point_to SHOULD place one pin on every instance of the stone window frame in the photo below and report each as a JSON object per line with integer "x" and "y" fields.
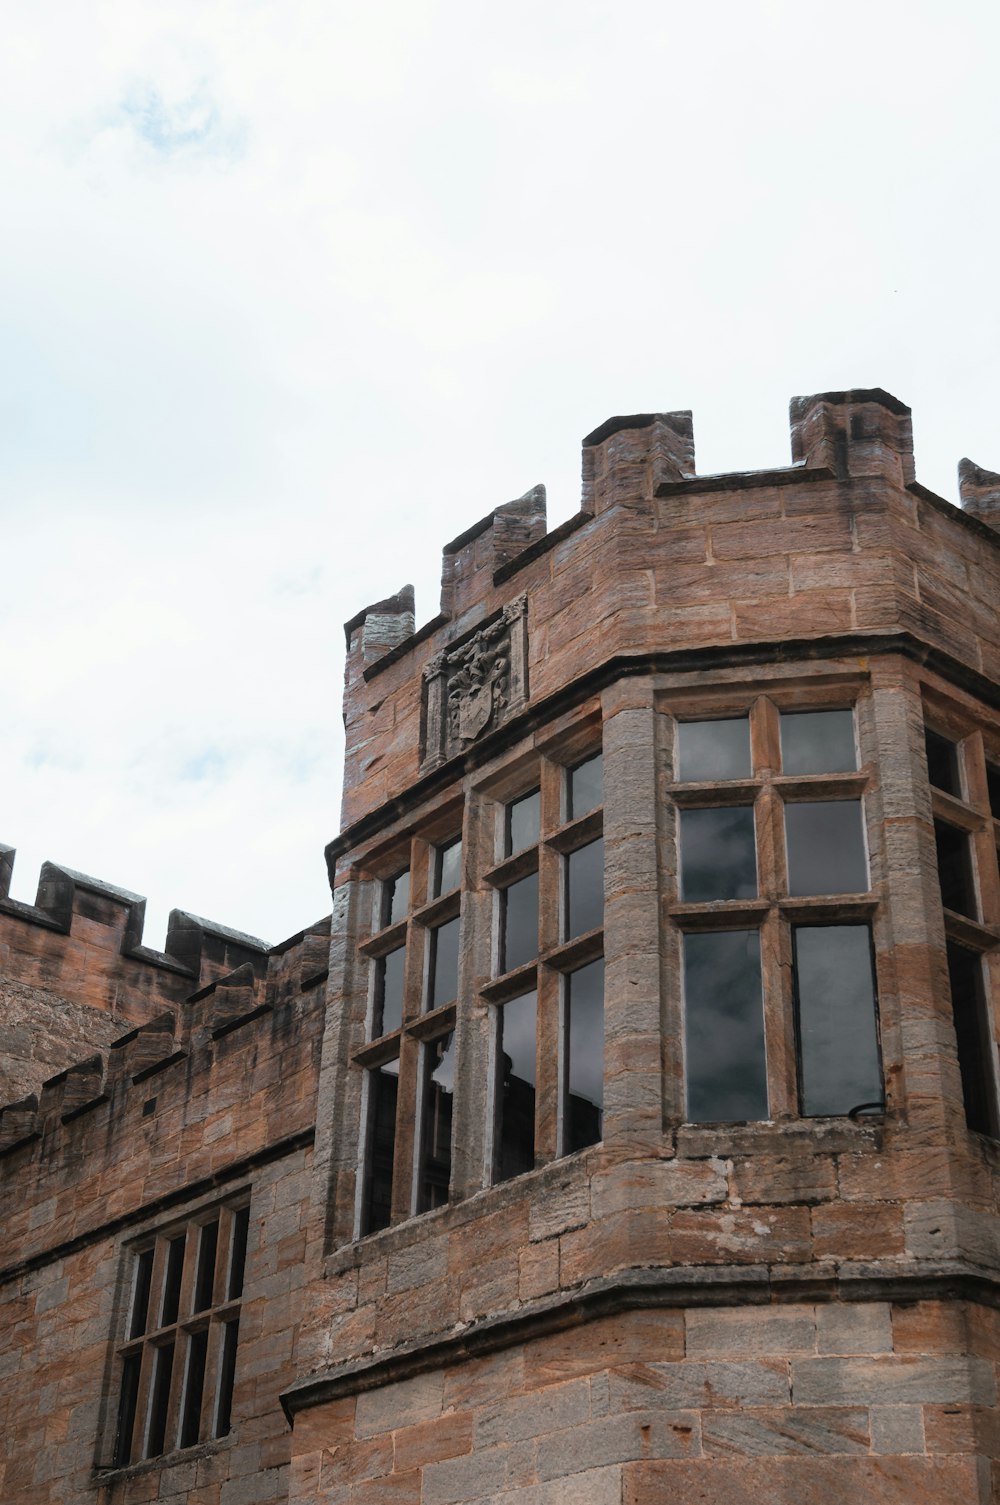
{"x": 219, "y": 1319}
{"x": 775, "y": 912}
{"x": 546, "y": 769}
{"x": 413, "y": 933}
{"x": 977, "y": 742}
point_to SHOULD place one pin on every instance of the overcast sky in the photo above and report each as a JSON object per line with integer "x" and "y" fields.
{"x": 291, "y": 294}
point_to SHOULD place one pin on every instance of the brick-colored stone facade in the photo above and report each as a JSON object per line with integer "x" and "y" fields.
{"x": 472, "y": 1275}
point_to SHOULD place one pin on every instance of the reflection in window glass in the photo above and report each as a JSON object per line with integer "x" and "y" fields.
{"x": 975, "y": 1047}
{"x": 126, "y": 1410}
{"x": 163, "y": 1368}
{"x": 954, "y": 859}
{"x": 396, "y": 898}
{"x": 818, "y": 742}
{"x": 724, "y": 1058}
{"x": 826, "y": 848}
{"x": 437, "y": 1099}
{"x": 172, "y": 1281}
{"x": 194, "y": 1387}
{"x": 224, "y": 1412}
{"x": 838, "y": 1039}
{"x": 447, "y": 867}
{"x": 388, "y": 993}
{"x": 993, "y": 788}
{"x": 208, "y": 1245}
{"x": 585, "y": 787}
{"x": 238, "y": 1252}
{"x": 140, "y": 1300}
{"x": 443, "y": 981}
{"x": 585, "y": 889}
{"x": 718, "y": 854}
{"x": 943, "y": 764}
{"x": 516, "y": 1087}
{"x": 713, "y": 749}
{"x": 519, "y": 923}
{"x": 522, "y": 823}
{"x": 584, "y": 1105}
{"x": 383, "y": 1090}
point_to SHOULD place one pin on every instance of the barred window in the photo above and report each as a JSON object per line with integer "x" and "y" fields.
{"x": 178, "y": 1358}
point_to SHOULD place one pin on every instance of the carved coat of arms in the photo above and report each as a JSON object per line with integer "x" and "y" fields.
{"x": 476, "y": 685}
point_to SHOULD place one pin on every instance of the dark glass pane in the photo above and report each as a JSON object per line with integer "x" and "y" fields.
{"x": 516, "y": 1090}
{"x": 383, "y": 1088}
{"x": 838, "y": 1038}
{"x": 522, "y": 823}
{"x": 227, "y": 1374}
{"x": 194, "y": 1388}
{"x": 389, "y": 972}
{"x": 943, "y": 765}
{"x": 718, "y": 855}
{"x": 826, "y": 848}
{"x": 396, "y": 898}
{"x": 444, "y": 963}
{"x": 126, "y": 1410}
{"x": 954, "y": 858}
{"x": 438, "y": 1098}
{"x": 172, "y": 1281}
{"x": 584, "y": 1056}
{"x": 585, "y": 787}
{"x": 585, "y": 889}
{"x": 448, "y": 867}
{"x": 818, "y": 742}
{"x": 993, "y": 788}
{"x": 208, "y": 1244}
{"x": 713, "y": 750}
{"x": 238, "y": 1255}
{"x": 975, "y": 1047}
{"x": 519, "y": 923}
{"x": 140, "y": 1298}
{"x": 724, "y": 1027}
{"x": 163, "y": 1368}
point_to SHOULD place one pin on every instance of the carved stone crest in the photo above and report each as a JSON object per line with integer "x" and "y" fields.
{"x": 476, "y": 685}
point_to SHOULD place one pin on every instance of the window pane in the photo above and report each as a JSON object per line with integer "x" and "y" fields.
{"x": 954, "y": 858}
{"x": 227, "y": 1374}
{"x": 585, "y": 889}
{"x": 163, "y": 1368}
{"x": 438, "y": 1091}
{"x": 172, "y": 1281}
{"x": 516, "y": 1088}
{"x": 718, "y": 855}
{"x": 838, "y": 1040}
{"x": 389, "y": 993}
{"x": 140, "y": 1298}
{"x": 396, "y": 898}
{"x": 522, "y": 823}
{"x": 194, "y": 1388}
{"x": 126, "y": 1410}
{"x": 584, "y": 1056}
{"x": 826, "y": 848}
{"x": 444, "y": 964}
{"x": 585, "y": 787}
{"x": 448, "y": 867}
{"x": 975, "y": 1048}
{"x": 724, "y": 1027}
{"x": 943, "y": 765}
{"x": 713, "y": 749}
{"x": 208, "y": 1243}
{"x": 993, "y": 787}
{"x": 238, "y": 1256}
{"x": 519, "y": 923}
{"x": 818, "y": 742}
{"x": 383, "y": 1087}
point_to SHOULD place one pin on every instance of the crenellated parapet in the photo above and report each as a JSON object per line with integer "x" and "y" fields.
{"x": 841, "y": 547}
{"x": 244, "y": 1002}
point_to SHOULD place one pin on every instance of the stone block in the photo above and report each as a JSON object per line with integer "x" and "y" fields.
{"x": 760, "y": 1431}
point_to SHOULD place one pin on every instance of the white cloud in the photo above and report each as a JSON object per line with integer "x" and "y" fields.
{"x": 291, "y": 294}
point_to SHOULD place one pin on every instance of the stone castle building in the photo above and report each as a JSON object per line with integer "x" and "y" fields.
{"x": 629, "y": 1133}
